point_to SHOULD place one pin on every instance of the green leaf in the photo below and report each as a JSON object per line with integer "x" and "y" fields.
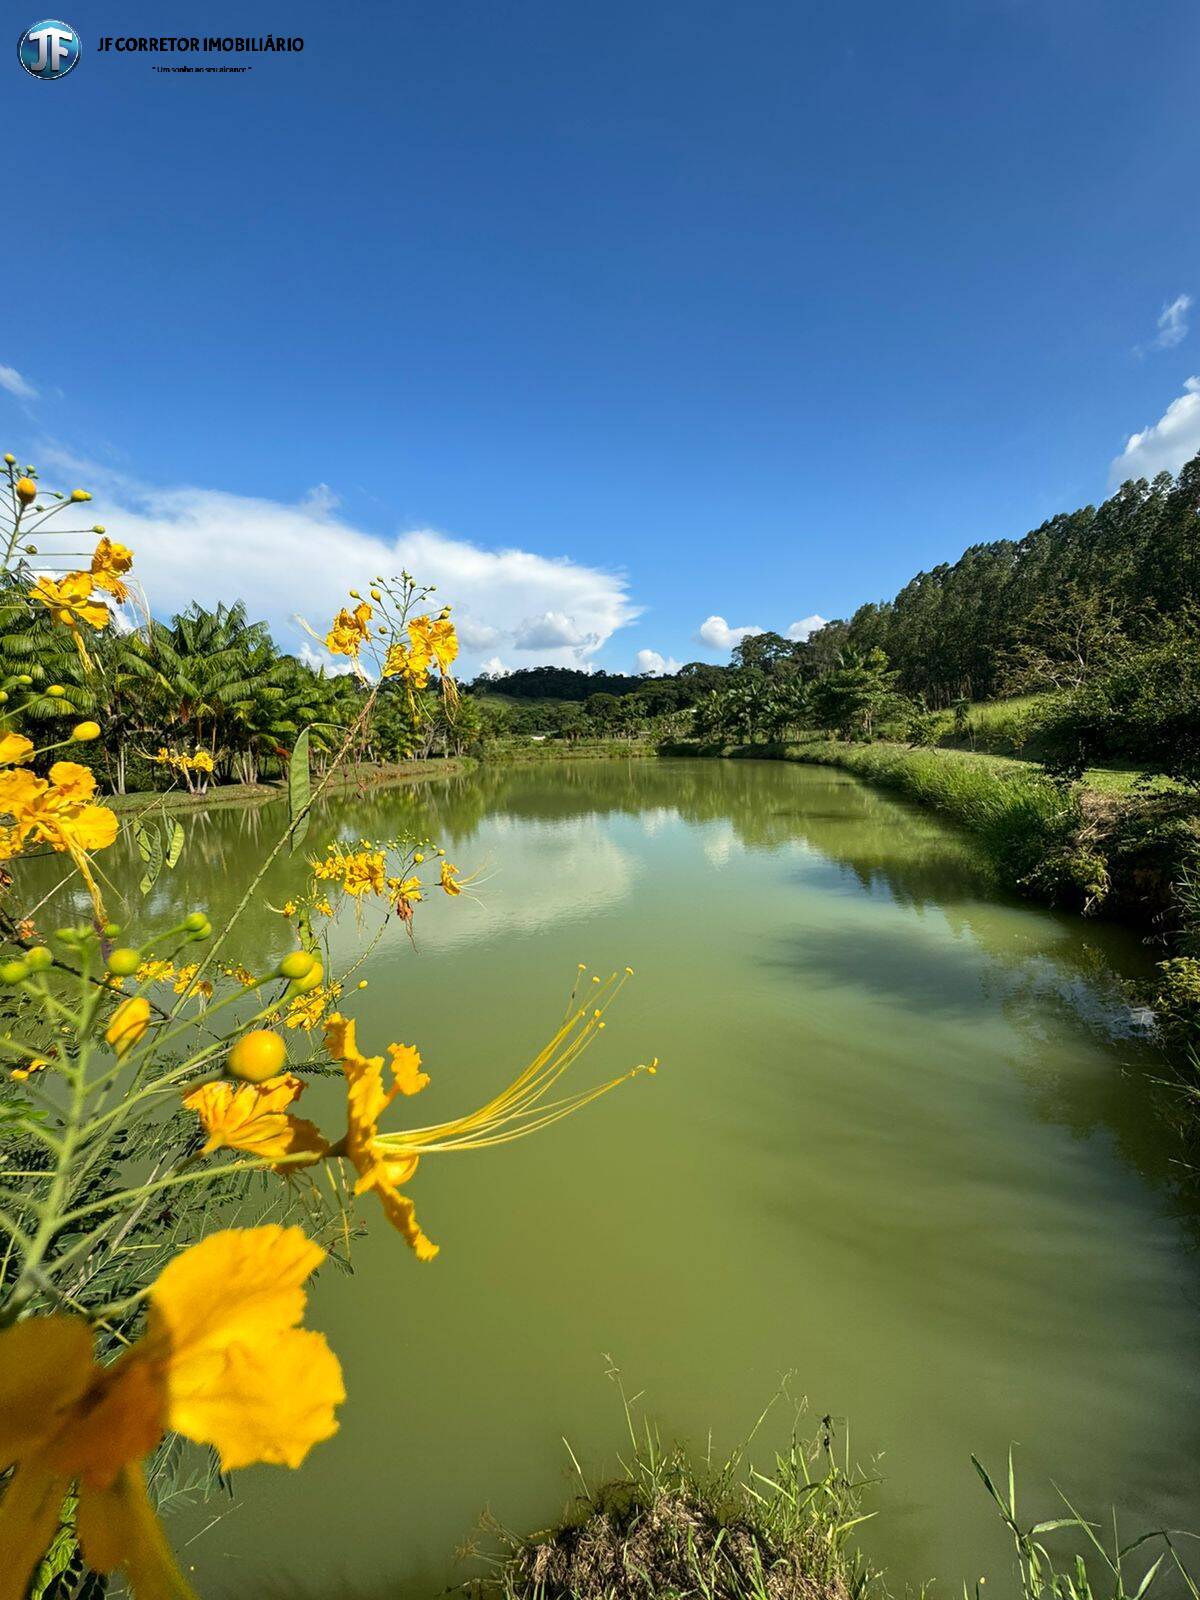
{"x": 299, "y": 789}
{"x": 175, "y": 848}
{"x": 150, "y": 848}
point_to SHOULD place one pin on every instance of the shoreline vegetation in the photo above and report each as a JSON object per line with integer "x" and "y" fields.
{"x": 672, "y": 1524}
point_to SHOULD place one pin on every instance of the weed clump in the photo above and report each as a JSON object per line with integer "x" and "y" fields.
{"x": 670, "y": 1528}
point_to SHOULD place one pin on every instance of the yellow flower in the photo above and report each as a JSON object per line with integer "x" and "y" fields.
{"x": 400, "y": 662}
{"x": 288, "y": 909}
{"x": 202, "y": 761}
{"x": 253, "y": 1117}
{"x": 183, "y": 981}
{"x": 128, "y": 1024}
{"x": 525, "y": 1106}
{"x": 433, "y": 639}
{"x": 110, "y": 563}
{"x": 21, "y": 1074}
{"x": 448, "y": 881}
{"x": 70, "y": 603}
{"x": 58, "y": 812}
{"x": 14, "y": 749}
{"x": 307, "y": 1010}
{"x": 223, "y": 1362}
{"x": 155, "y": 972}
{"x": 366, "y": 1100}
{"x": 350, "y": 631}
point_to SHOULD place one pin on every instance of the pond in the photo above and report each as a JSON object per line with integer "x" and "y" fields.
{"x": 900, "y": 1147}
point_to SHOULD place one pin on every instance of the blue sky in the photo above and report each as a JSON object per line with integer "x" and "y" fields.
{"x": 747, "y": 311}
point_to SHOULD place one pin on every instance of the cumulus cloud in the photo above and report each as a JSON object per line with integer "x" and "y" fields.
{"x": 553, "y": 630}
{"x": 495, "y": 667}
{"x": 806, "y": 627}
{"x": 288, "y": 560}
{"x": 1172, "y": 325}
{"x": 12, "y": 380}
{"x": 1166, "y": 444}
{"x": 653, "y": 661}
{"x": 715, "y": 631}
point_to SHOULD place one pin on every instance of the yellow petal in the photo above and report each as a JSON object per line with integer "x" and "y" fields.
{"x": 251, "y": 1117}
{"x": 94, "y": 828}
{"x": 270, "y": 1401}
{"x": 29, "y": 1515}
{"x": 45, "y": 1365}
{"x": 14, "y": 748}
{"x": 406, "y": 1064}
{"x": 118, "y": 1528}
{"x": 240, "y": 1376}
{"x": 72, "y": 781}
{"x": 129, "y": 1022}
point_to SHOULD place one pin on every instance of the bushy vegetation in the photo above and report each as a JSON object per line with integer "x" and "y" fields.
{"x": 207, "y": 698}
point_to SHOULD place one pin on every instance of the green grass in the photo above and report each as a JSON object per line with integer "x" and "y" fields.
{"x": 1024, "y": 821}
{"x": 669, "y": 1528}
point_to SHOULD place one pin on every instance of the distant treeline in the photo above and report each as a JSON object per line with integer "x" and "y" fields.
{"x": 1007, "y": 616}
{"x": 972, "y": 630}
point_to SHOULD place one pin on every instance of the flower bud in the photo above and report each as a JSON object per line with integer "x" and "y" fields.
{"x": 80, "y": 495}
{"x": 84, "y": 732}
{"x": 26, "y": 490}
{"x": 39, "y": 958}
{"x": 123, "y": 963}
{"x": 195, "y": 920}
{"x": 98, "y": 528}
{"x": 56, "y": 689}
{"x": 297, "y": 965}
{"x": 14, "y": 971}
{"x": 314, "y": 979}
{"x": 257, "y": 1056}
{"x": 9, "y": 460}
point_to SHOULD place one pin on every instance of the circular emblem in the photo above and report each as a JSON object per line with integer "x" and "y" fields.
{"x": 49, "y": 49}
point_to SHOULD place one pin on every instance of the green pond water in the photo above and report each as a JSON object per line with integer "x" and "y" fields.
{"x": 900, "y": 1147}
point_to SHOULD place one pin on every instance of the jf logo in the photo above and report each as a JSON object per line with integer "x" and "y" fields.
{"x": 49, "y": 49}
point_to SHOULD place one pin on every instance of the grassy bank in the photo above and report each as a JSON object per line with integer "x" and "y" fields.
{"x": 520, "y": 750}
{"x": 670, "y": 1527}
{"x": 372, "y": 775}
{"x": 1107, "y": 843}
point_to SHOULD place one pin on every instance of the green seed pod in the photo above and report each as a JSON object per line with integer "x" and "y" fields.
{"x": 297, "y": 965}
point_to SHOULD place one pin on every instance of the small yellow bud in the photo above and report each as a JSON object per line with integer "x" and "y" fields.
{"x": 9, "y": 460}
{"x": 98, "y": 528}
{"x": 362, "y": 983}
{"x": 376, "y": 596}
{"x": 85, "y": 732}
{"x": 124, "y": 962}
{"x": 26, "y": 490}
{"x": 56, "y": 689}
{"x": 80, "y": 495}
{"x": 257, "y": 1056}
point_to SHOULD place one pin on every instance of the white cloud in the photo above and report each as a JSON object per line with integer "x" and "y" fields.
{"x": 553, "y": 630}
{"x": 806, "y": 627}
{"x": 12, "y": 380}
{"x": 284, "y": 560}
{"x": 1167, "y": 443}
{"x": 717, "y": 632}
{"x": 652, "y": 661}
{"x": 1172, "y": 325}
{"x": 495, "y": 667}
